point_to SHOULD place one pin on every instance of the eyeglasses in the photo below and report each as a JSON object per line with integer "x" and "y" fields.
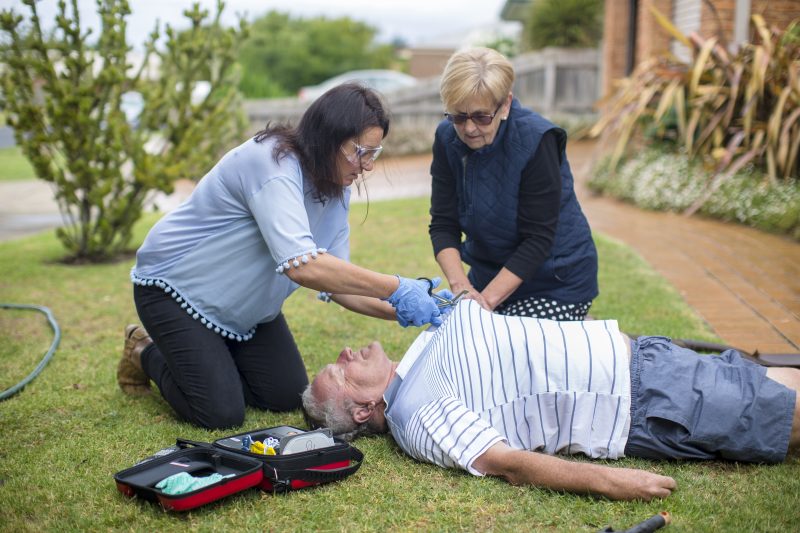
{"x": 478, "y": 119}
{"x": 363, "y": 154}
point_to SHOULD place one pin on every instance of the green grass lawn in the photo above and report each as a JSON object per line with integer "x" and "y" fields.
{"x": 67, "y": 433}
{"x": 14, "y": 166}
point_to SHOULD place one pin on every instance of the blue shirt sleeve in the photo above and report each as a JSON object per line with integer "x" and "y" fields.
{"x": 280, "y": 213}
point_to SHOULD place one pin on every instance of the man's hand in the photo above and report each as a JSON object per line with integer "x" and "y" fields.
{"x": 632, "y": 484}
{"x": 522, "y": 467}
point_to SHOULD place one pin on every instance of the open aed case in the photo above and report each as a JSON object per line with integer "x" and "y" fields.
{"x": 322, "y": 460}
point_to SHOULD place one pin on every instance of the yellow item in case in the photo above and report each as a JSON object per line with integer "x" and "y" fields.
{"x": 257, "y": 447}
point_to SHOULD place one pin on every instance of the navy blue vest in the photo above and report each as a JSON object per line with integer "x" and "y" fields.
{"x": 487, "y": 184}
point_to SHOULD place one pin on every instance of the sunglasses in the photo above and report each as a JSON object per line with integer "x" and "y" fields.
{"x": 363, "y": 154}
{"x": 478, "y": 119}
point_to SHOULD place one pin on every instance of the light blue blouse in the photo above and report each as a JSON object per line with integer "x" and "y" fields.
{"x": 221, "y": 254}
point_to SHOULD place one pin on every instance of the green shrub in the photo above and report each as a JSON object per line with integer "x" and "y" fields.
{"x": 565, "y": 23}
{"x": 64, "y": 95}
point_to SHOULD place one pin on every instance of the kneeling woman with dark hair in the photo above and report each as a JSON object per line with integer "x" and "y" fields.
{"x": 212, "y": 276}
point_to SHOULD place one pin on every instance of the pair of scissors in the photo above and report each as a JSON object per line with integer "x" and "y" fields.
{"x": 441, "y": 301}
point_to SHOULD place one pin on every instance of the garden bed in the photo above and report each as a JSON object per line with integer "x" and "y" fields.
{"x": 661, "y": 180}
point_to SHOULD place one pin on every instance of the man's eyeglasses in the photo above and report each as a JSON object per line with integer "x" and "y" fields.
{"x": 478, "y": 119}
{"x": 363, "y": 154}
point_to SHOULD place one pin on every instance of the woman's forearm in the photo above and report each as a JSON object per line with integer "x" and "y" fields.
{"x": 330, "y": 274}
{"x": 501, "y": 287}
{"x": 449, "y": 260}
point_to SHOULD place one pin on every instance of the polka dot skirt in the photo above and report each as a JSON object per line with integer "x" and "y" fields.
{"x": 545, "y": 308}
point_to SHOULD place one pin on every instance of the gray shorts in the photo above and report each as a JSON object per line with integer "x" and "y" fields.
{"x": 685, "y": 405}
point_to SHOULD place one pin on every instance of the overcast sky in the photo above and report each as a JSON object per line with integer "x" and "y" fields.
{"x": 415, "y": 21}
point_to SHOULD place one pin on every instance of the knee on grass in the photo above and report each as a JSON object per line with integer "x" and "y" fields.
{"x": 221, "y": 417}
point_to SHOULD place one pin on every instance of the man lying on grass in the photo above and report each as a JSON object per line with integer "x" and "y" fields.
{"x": 486, "y": 392}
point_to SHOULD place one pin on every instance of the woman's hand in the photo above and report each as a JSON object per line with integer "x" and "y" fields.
{"x": 412, "y": 303}
{"x": 472, "y": 293}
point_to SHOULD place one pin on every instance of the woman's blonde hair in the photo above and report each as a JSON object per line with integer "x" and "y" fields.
{"x": 476, "y": 72}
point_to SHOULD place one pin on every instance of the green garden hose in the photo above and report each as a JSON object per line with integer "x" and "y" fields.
{"x": 8, "y": 393}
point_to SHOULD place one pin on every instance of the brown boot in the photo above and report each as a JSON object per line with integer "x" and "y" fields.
{"x": 130, "y": 376}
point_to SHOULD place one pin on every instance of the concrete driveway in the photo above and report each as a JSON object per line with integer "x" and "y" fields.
{"x": 26, "y": 207}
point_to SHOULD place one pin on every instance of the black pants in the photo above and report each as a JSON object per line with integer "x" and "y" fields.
{"x": 208, "y": 379}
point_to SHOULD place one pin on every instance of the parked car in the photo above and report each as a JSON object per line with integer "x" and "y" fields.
{"x": 383, "y": 81}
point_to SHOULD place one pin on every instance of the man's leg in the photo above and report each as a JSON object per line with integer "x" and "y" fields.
{"x": 190, "y": 364}
{"x": 686, "y": 405}
{"x": 789, "y": 377}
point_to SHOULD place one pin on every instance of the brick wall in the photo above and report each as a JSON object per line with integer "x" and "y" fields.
{"x": 428, "y": 62}
{"x": 652, "y": 39}
{"x": 615, "y": 42}
{"x": 777, "y": 12}
{"x": 723, "y": 22}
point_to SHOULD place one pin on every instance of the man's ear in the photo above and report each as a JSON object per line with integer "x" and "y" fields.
{"x": 363, "y": 412}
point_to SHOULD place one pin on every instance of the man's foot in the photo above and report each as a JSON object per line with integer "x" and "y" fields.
{"x": 130, "y": 376}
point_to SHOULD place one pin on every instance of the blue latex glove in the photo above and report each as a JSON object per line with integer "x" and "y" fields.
{"x": 446, "y": 293}
{"x": 412, "y": 303}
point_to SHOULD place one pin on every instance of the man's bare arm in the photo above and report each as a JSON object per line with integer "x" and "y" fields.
{"x": 521, "y": 467}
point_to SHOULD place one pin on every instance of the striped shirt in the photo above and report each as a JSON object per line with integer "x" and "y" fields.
{"x": 541, "y": 385}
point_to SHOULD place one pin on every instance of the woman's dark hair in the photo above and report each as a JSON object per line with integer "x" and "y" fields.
{"x": 340, "y": 114}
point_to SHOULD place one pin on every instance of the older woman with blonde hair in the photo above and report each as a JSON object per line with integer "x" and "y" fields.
{"x": 501, "y": 178}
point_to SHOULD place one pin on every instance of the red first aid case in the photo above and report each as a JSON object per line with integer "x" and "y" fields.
{"x": 320, "y": 460}
{"x": 140, "y": 480}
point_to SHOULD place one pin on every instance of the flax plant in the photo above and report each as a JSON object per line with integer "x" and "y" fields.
{"x": 728, "y": 110}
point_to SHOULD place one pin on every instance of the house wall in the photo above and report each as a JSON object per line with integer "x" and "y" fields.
{"x": 652, "y": 40}
{"x": 777, "y": 12}
{"x": 711, "y": 27}
{"x": 615, "y": 42}
{"x": 428, "y": 62}
{"x": 686, "y": 15}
